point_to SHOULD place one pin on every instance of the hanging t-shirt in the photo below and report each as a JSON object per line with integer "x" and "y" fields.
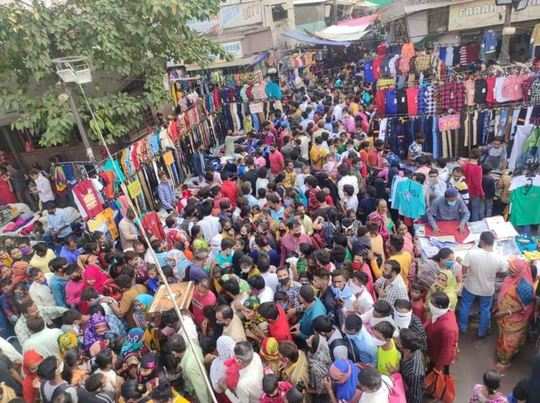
{"x": 87, "y": 199}
{"x": 391, "y": 102}
{"x": 520, "y": 138}
{"x": 525, "y": 205}
{"x": 480, "y": 91}
{"x": 409, "y": 199}
{"x": 412, "y": 101}
{"x": 368, "y": 72}
{"x": 401, "y": 98}
{"x": 490, "y": 90}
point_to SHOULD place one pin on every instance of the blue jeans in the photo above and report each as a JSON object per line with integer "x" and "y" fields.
{"x": 467, "y": 300}
{"x": 477, "y": 208}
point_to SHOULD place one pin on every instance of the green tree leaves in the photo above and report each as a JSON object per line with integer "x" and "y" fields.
{"x": 123, "y": 39}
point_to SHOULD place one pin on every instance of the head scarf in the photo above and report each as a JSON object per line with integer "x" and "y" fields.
{"x": 252, "y": 303}
{"x": 270, "y": 349}
{"x": 31, "y": 359}
{"x": 134, "y": 341}
{"x": 67, "y": 341}
{"x": 18, "y": 271}
{"x": 344, "y": 374}
{"x": 93, "y": 272}
{"x": 225, "y": 349}
{"x": 90, "y": 332}
{"x": 340, "y": 352}
{"x": 181, "y": 263}
{"x": 145, "y": 299}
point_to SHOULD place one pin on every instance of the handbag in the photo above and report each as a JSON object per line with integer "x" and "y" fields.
{"x": 440, "y": 386}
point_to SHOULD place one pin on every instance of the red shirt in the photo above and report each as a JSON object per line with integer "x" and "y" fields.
{"x": 412, "y": 101}
{"x": 152, "y": 224}
{"x": 229, "y": 190}
{"x": 473, "y": 177}
{"x": 442, "y": 339}
{"x": 198, "y": 302}
{"x": 490, "y": 96}
{"x": 277, "y": 162}
{"x": 380, "y": 102}
{"x": 88, "y": 198}
{"x": 279, "y": 328}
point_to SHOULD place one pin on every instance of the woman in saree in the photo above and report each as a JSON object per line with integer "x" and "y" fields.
{"x": 95, "y": 330}
{"x": 93, "y": 276}
{"x": 225, "y": 351}
{"x": 381, "y": 217}
{"x": 30, "y": 386}
{"x": 515, "y": 307}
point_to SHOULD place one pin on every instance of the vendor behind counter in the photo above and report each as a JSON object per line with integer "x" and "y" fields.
{"x": 449, "y": 207}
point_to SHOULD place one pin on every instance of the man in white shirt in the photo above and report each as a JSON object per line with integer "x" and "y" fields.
{"x": 346, "y": 179}
{"x": 480, "y": 268}
{"x": 260, "y": 289}
{"x": 304, "y": 145}
{"x": 39, "y": 290}
{"x": 363, "y": 301}
{"x": 43, "y": 186}
{"x": 210, "y": 225}
{"x": 249, "y": 388}
{"x": 43, "y": 340}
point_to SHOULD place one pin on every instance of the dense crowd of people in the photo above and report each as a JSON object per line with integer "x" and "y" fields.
{"x": 308, "y": 286}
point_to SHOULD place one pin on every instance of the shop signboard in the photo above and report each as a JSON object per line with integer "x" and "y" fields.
{"x": 485, "y": 13}
{"x": 234, "y": 49}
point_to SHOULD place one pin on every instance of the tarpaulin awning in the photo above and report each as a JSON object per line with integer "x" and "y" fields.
{"x": 301, "y": 36}
{"x": 342, "y": 33}
{"x": 359, "y": 22}
{"x": 243, "y": 61}
{"x": 347, "y": 30}
{"x": 375, "y": 3}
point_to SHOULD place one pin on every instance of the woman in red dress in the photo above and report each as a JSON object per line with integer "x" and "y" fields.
{"x": 7, "y": 195}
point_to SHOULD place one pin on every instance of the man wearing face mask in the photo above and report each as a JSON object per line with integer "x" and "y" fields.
{"x": 435, "y": 187}
{"x": 292, "y": 240}
{"x": 405, "y": 319}
{"x": 442, "y": 333}
{"x": 289, "y": 287}
{"x": 448, "y": 208}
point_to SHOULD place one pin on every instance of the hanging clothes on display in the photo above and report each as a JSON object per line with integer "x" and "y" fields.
{"x": 525, "y": 200}
{"x": 87, "y": 199}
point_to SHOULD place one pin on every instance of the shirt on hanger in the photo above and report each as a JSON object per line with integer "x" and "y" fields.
{"x": 412, "y": 101}
{"x": 469, "y": 92}
{"x": 480, "y": 91}
{"x": 88, "y": 201}
{"x": 490, "y": 90}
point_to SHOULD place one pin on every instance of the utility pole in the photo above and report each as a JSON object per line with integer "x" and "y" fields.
{"x": 507, "y": 33}
{"x": 334, "y": 12}
{"x": 82, "y": 130}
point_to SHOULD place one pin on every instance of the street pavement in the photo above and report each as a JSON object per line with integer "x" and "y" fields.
{"x": 477, "y": 356}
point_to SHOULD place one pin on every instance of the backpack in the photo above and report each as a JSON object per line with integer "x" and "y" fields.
{"x": 58, "y": 391}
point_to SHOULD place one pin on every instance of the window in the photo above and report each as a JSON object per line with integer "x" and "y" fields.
{"x": 279, "y": 13}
